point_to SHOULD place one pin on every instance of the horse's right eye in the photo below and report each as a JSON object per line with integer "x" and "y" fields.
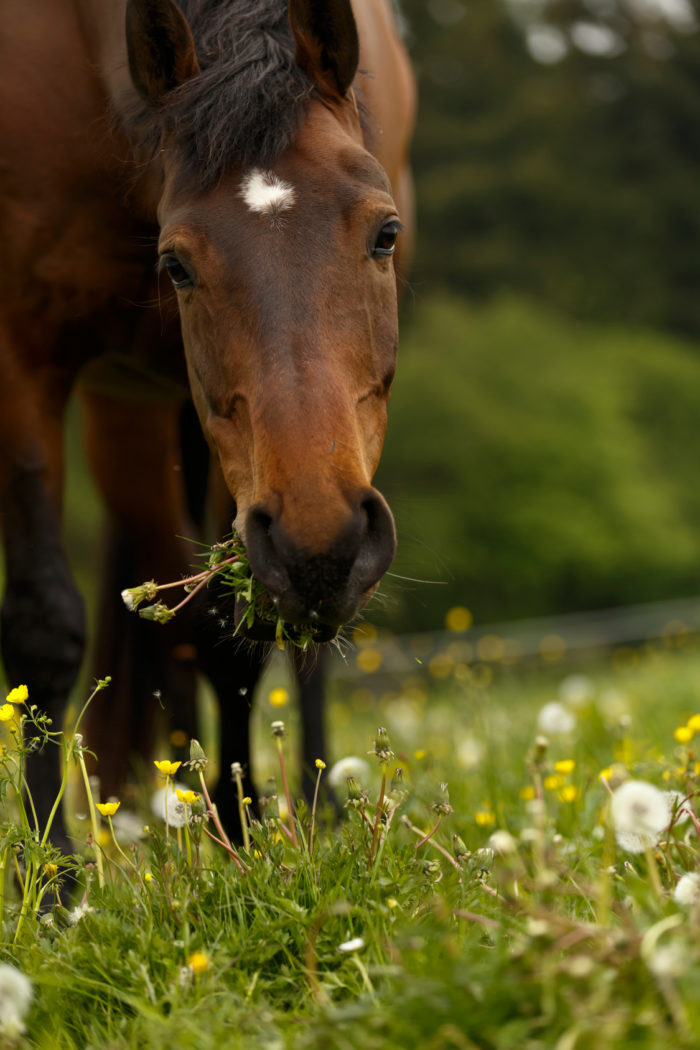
{"x": 176, "y": 271}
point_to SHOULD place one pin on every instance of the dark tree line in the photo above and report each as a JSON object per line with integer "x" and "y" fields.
{"x": 558, "y": 154}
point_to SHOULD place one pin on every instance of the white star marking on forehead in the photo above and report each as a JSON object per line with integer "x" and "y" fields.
{"x": 266, "y": 194}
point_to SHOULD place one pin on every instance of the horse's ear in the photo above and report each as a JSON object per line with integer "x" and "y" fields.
{"x": 160, "y": 47}
{"x": 327, "y": 48}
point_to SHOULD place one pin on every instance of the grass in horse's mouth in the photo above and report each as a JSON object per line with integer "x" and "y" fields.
{"x": 227, "y": 562}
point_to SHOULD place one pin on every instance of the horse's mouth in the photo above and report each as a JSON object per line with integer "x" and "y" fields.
{"x": 263, "y": 630}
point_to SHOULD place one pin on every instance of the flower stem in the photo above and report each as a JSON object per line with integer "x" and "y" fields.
{"x": 93, "y": 818}
{"x": 287, "y": 795}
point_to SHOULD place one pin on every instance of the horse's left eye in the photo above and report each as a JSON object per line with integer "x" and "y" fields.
{"x": 386, "y": 239}
{"x": 178, "y": 274}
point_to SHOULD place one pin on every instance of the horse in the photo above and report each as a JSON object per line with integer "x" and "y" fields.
{"x": 202, "y": 202}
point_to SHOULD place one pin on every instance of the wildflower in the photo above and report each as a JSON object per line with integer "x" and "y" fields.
{"x": 576, "y": 690}
{"x": 278, "y": 697}
{"x": 639, "y": 814}
{"x": 565, "y": 766}
{"x": 503, "y": 842}
{"x": 556, "y": 719}
{"x": 277, "y": 728}
{"x": 133, "y": 596}
{"x": 353, "y": 945}
{"x": 694, "y": 723}
{"x": 198, "y": 759}
{"x": 188, "y": 797}
{"x": 7, "y": 712}
{"x": 15, "y": 997}
{"x": 178, "y": 812}
{"x": 108, "y": 809}
{"x": 569, "y": 793}
{"x": 461, "y": 851}
{"x": 484, "y": 818}
{"x": 18, "y": 695}
{"x": 320, "y": 764}
{"x": 442, "y": 804}
{"x": 78, "y": 913}
{"x": 159, "y": 612}
{"x": 247, "y": 801}
{"x": 687, "y": 889}
{"x": 356, "y": 799}
{"x": 382, "y": 747}
{"x": 552, "y": 782}
{"x": 168, "y": 769}
{"x": 419, "y": 754}
{"x": 683, "y": 734}
{"x": 668, "y": 961}
{"x": 391, "y": 902}
{"x": 148, "y": 877}
{"x": 198, "y": 962}
{"x": 50, "y": 870}
{"x": 527, "y": 793}
{"x": 350, "y": 766}
{"x": 470, "y": 752}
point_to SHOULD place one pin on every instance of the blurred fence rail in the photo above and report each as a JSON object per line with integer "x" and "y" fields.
{"x": 550, "y": 639}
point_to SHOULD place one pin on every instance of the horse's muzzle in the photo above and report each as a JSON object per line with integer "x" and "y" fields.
{"x": 323, "y": 589}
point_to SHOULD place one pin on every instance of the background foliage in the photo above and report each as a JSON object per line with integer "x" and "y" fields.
{"x": 542, "y": 445}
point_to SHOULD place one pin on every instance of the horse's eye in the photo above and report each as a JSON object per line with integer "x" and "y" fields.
{"x": 386, "y": 239}
{"x": 178, "y": 274}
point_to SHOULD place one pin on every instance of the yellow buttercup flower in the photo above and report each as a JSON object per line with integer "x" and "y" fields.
{"x": 278, "y": 697}
{"x": 683, "y": 734}
{"x": 198, "y": 962}
{"x": 564, "y": 766}
{"x": 168, "y": 769}
{"x": 320, "y": 764}
{"x": 188, "y": 797}
{"x": 247, "y": 801}
{"x": 148, "y": 877}
{"x": 108, "y": 809}
{"x": 569, "y": 793}
{"x": 7, "y": 712}
{"x": 694, "y": 723}
{"x": 18, "y": 695}
{"x": 484, "y": 818}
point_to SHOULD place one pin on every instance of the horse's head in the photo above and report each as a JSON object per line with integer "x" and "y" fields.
{"x": 282, "y": 263}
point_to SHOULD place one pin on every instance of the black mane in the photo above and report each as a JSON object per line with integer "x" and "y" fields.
{"x": 245, "y": 105}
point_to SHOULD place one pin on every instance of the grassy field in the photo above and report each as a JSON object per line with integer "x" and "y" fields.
{"x": 491, "y": 906}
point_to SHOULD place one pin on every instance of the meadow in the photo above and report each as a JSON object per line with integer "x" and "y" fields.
{"x": 485, "y": 897}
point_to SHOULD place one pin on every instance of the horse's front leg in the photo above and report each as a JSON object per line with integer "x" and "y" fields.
{"x": 42, "y": 621}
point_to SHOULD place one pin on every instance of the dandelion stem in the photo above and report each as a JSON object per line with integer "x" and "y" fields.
{"x": 241, "y": 808}
{"x": 377, "y": 817}
{"x": 93, "y": 817}
{"x": 313, "y": 812}
{"x": 287, "y": 795}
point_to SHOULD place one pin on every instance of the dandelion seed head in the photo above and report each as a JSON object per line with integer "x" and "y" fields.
{"x": 555, "y": 719}
{"x": 350, "y": 766}
{"x": 639, "y": 813}
{"x": 687, "y": 889}
{"x": 15, "y": 997}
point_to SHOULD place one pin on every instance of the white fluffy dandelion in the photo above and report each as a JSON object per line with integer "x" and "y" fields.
{"x": 639, "y": 812}
{"x": 556, "y": 720}
{"x": 15, "y": 997}
{"x": 576, "y": 690}
{"x": 178, "y": 812}
{"x": 687, "y": 889}
{"x": 350, "y": 766}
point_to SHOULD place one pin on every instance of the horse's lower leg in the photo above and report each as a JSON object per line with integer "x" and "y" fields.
{"x": 43, "y": 624}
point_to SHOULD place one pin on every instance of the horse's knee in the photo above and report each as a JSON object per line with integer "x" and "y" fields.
{"x": 42, "y": 624}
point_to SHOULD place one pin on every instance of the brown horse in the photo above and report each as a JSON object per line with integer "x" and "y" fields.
{"x": 261, "y": 148}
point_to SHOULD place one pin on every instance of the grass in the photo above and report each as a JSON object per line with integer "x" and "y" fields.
{"x": 547, "y": 937}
